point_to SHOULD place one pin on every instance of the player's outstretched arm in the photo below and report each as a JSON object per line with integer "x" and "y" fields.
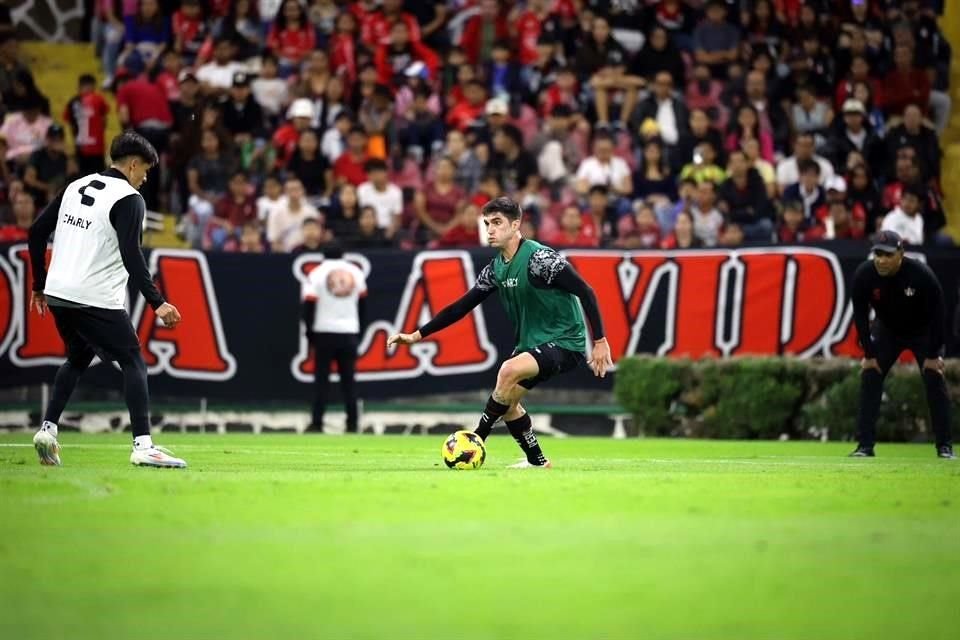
{"x": 446, "y": 317}
{"x": 39, "y": 234}
{"x": 567, "y": 279}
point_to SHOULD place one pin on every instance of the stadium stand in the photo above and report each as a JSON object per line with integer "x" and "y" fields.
{"x": 607, "y": 120}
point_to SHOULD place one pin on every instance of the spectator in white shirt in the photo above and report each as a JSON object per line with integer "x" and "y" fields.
{"x": 216, "y": 77}
{"x": 334, "y": 142}
{"x": 270, "y": 90}
{"x": 603, "y": 168}
{"x": 285, "y": 222}
{"x": 385, "y": 198}
{"x": 907, "y": 219}
{"x": 707, "y": 219}
{"x": 788, "y": 169}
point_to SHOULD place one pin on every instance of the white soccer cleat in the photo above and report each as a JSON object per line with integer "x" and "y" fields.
{"x": 155, "y": 457}
{"x": 525, "y": 464}
{"x": 48, "y": 449}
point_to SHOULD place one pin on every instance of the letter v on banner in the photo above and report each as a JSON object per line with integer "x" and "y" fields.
{"x": 436, "y": 279}
{"x": 35, "y": 340}
{"x": 196, "y": 349}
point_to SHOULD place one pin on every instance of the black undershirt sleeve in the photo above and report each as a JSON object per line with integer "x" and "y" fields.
{"x": 362, "y": 313}
{"x": 39, "y": 234}
{"x": 455, "y": 310}
{"x": 861, "y": 311}
{"x": 934, "y": 294}
{"x": 126, "y": 216}
{"x": 308, "y": 311}
{"x": 567, "y": 279}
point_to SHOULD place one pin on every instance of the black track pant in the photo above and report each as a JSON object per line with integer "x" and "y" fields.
{"x": 342, "y": 348}
{"x": 107, "y": 333}
{"x": 889, "y": 348}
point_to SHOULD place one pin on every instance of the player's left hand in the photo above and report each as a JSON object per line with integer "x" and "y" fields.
{"x": 38, "y": 301}
{"x": 600, "y": 360}
{"x": 935, "y": 364}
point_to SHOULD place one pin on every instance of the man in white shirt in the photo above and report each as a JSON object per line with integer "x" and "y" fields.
{"x": 216, "y": 77}
{"x": 707, "y": 219}
{"x": 334, "y": 309}
{"x": 603, "y": 168}
{"x": 98, "y": 221}
{"x": 385, "y": 198}
{"x": 285, "y": 221}
{"x": 907, "y": 219}
{"x": 788, "y": 169}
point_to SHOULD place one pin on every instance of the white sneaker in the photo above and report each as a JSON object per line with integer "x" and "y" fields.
{"x": 525, "y": 464}
{"x": 47, "y": 448}
{"x": 155, "y": 457}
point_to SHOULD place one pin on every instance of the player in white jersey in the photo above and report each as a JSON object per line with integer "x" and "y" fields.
{"x": 98, "y": 220}
{"x": 334, "y": 298}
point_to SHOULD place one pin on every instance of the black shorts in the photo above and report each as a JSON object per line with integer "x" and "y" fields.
{"x": 552, "y": 360}
{"x": 89, "y": 331}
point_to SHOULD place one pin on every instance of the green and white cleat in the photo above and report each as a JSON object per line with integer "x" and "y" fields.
{"x": 48, "y": 449}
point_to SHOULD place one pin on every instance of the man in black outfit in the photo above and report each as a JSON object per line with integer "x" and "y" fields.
{"x": 908, "y": 301}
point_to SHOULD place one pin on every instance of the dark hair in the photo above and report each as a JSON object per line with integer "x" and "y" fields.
{"x": 514, "y": 133}
{"x": 333, "y": 250}
{"x": 374, "y": 164}
{"x": 86, "y": 79}
{"x": 269, "y": 55}
{"x": 914, "y": 189}
{"x": 806, "y": 166}
{"x": 505, "y": 207}
{"x": 357, "y": 129}
{"x": 280, "y": 20}
{"x": 130, "y": 144}
{"x": 239, "y": 173}
{"x": 602, "y": 189}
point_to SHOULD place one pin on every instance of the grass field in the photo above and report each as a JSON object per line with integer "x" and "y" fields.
{"x": 367, "y": 537}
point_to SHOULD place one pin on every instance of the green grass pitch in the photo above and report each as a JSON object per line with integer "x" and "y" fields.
{"x": 371, "y": 537}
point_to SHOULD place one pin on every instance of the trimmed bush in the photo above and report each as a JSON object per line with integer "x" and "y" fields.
{"x": 749, "y": 398}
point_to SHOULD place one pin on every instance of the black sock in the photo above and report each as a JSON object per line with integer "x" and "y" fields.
{"x": 491, "y": 414}
{"x": 522, "y": 432}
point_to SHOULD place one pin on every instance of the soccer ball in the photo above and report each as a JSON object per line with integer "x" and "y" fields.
{"x": 463, "y": 450}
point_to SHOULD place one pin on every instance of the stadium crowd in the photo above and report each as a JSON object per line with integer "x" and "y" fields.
{"x": 616, "y": 123}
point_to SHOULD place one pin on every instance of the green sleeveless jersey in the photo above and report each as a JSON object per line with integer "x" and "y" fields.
{"x": 539, "y": 312}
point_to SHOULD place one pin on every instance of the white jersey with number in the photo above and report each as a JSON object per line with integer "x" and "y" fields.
{"x": 336, "y": 285}
{"x": 86, "y": 266}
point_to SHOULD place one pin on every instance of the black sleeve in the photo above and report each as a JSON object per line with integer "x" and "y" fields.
{"x": 362, "y": 313}
{"x": 455, "y": 310}
{"x": 308, "y": 311}
{"x": 39, "y": 234}
{"x": 126, "y": 216}
{"x": 937, "y": 314}
{"x": 567, "y": 279}
{"x": 861, "y": 309}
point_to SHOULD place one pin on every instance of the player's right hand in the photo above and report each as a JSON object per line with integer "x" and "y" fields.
{"x": 169, "y": 315}
{"x": 870, "y": 363}
{"x": 404, "y": 338}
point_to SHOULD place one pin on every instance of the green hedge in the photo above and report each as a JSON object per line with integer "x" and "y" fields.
{"x": 756, "y": 398}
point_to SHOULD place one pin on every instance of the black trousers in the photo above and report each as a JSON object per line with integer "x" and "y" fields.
{"x": 889, "y": 348}
{"x": 151, "y": 188}
{"x": 107, "y": 333}
{"x": 341, "y": 348}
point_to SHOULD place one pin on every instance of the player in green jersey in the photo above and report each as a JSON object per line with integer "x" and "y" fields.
{"x": 539, "y": 290}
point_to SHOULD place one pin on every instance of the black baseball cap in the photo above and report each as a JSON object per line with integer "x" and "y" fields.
{"x": 241, "y": 79}
{"x": 55, "y": 131}
{"x": 888, "y": 242}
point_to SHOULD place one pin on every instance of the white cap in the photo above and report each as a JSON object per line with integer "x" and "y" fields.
{"x": 852, "y": 105}
{"x": 837, "y": 183}
{"x": 301, "y": 108}
{"x": 497, "y": 106}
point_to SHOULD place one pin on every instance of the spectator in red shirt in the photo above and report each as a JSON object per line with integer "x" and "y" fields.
{"x": 683, "y": 236}
{"x": 169, "y": 77}
{"x": 639, "y": 231}
{"x": 344, "y": 48}
{"x": 839, "y": 225}
{"x": 529, "y": 25}
{"x": 859, "y": 72}
{"x": 377, "y": 28}
{"x": 573, "y": 232}
{"x": 393, "y": 59}
{"x": 466, "y": 229}
{"x": 143, "y": 106}
{"x": 189, "y": 30}
{"x": 470, "y": 108}
{"x": 300, "y": 116}
{"x": 349, "y": 167}
{"x": 24, "y": 211}
{"x": 231, "y": 213}
{"x": 292, "y": 36}
{"x": 906, "y": 84}
{"x": 794, "y": 226}
{"x": 86, "y": 113}
{"x": 482, "y": 30}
